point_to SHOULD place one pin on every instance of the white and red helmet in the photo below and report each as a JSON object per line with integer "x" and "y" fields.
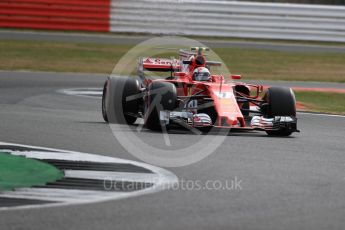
{"x": 201, "y": 74}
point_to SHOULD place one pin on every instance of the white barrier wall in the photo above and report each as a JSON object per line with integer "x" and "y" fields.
{"x": 229, "y": 19}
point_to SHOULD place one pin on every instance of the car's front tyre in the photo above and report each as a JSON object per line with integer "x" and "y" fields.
{"x": 117, "y": 106}
{"x": 279, "y": 102}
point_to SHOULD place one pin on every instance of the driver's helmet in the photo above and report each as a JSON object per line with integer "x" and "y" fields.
{"x": 201, "y": 74}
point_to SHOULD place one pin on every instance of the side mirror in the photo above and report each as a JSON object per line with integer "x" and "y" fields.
{"x": 186, "y": 62}
{"x": 261, "y": 88}
{"x": 236, "y": 77}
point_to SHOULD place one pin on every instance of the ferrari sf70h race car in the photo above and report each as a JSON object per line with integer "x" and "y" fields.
{"x": 192, "y": 97}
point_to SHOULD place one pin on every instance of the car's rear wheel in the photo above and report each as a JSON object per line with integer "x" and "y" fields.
{"x": 117, "y": 106}
{"x": 279, "y": 102}
{"x": 162, "y": 96}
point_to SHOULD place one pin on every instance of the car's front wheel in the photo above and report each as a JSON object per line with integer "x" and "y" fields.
{"x": 117, "y": 105}
{"x": 279, "y": 102}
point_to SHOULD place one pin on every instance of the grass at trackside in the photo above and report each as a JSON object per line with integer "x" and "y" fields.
{"x": 101, "y": 58}
{"x": 277, "y": 65}
{"x": 60, "y": 56}
{"x": 322, "y": 102}
{"x": 16, "y": 171}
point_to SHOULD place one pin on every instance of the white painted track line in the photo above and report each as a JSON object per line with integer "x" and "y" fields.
{"x": 160, "y": 178}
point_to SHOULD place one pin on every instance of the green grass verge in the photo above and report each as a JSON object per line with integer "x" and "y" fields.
{"x": 277, "y": 65}
{"x": 333, "y": 103}
{"x": 17, "y": 171}
{"x": 101, "y": 58}
{"x": 60, "y": 56}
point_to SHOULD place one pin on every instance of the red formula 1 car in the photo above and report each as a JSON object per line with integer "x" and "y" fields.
{"x": 193, "y": 98}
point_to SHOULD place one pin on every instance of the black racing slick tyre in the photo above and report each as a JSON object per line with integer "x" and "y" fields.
{"x": 117, "y": 104}
{"x": 162, "y": 96}
{"x": 246, "y": 105}
{"x": 281, "y": 102}
{"x": 104, "y": 97}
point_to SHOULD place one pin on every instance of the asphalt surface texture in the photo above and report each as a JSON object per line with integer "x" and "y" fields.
{"x": 286, "y": 183}
{"x": 135, "y": 39}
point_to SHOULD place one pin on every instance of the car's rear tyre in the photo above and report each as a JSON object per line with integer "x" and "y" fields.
{"x": 162, "y": 96}
{"x": 279, "y": 102}
{"x": 117, "y": 107}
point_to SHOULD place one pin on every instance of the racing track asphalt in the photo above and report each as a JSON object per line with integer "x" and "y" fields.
{"x": 287, "y": 183}
{"x": 135, "y": 39}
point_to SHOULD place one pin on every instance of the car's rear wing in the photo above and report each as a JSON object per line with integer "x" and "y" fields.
{"x": 158, "y": 64}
